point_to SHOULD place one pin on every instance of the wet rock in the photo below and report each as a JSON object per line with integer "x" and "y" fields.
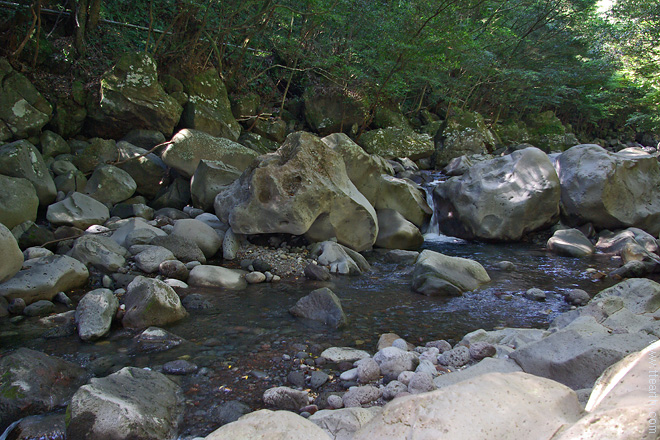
{"x": 316, "y": 272}
{"x": 339, "y": 259}
{"x": 596, "y": 188}
{"x": 405, "y": 197}
{"x": 199, "y": 233}
{"x": 173, "y": 269}
{"x": 344, "y": 354}
{"x": 500, "y": 199}
{"x": 179, "y": 367}
{"x": 437, "y": 274}
{"x": 78, "y": 210}
{"x": 12, "y": 257}
{"x": 18, "y": 201}
{"x": 217, "y": 276}
{"x": 44, "y": 277}
{"x": 321, "y": 305}
{"x": 255, "y": 277}
{"x": 577, "y": 297}
{"x": 451, "y": 410}
{"x": 189, "y": 147}
{"x": 16, "y": 306}
{"x": 286, "y": 398}
{"x": 132, "y": 403}
{"x": 155, "y": 339}
{"x": 362, "y": 395}
{"x": 400, "y": 256}
{"x": 99, "y": 251}
{"x": 535, "y": 294}
{"x": 39, "y": 308}
{"x": 276, "y": 190}
{"x": 94, "y": 314}
{"x": 35, "y": 383}
{"x": 571, "y": 243}
{"x": 22, "y": 159}
{"x": 151, "y": 302}
{"x": 506, "y": 266}
{"x": 264, "y": 423}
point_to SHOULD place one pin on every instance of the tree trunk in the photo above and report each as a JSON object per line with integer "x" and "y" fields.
{"x": 80, "y": 23}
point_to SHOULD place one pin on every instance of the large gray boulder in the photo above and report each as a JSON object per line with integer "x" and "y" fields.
{"x": 341, "y": 424}
{"x": 204, "y": 236}
{"x": 18, "y": 201}
{"x": 339, "y": 259}
{"x": 35, "y": 383}
{"x": 437, "y": 274}
{"x": 110, "y": 185}
{"x": 302, "y": 188}
{"x": 78, "y": 210}
{"x": 147, "y": 169}
{"x": 22, "y": 159}
{"x": 208, "y": 108}
{"x": 99, "y": 251}
{"x": 625, "y": 395}
{"x": 12, "y": 257}
{"x": 128, "y": 229}
{"x": 610, "y": 190}
{"x": 210, "y": 178}
{"x": 464, "y": 133}
{"x": 43, "y": 278}
{"x": 95, "y": 312}
{"x": 500, "y": 199}
{"x": 131, "y": 403}
{"x": 23, "y": 110}
{"x": 188, "y": 147}
{"x": 321, "y": 305}
{"x": 515, "y": 406}
{"x": 405, "y": 197}
{"x": 395, "y": 232}
{"x": 131, "y": 98}
{"x": 151, "y": 302}
{"x": 267, "y": 424}
{"x": 391, "y": 143}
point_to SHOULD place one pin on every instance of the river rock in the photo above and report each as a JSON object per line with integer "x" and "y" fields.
{"x": 199, "y": 233}
{"x": 51, "y": 427}
{"x": 395, "y": 232}
{"x": 488, "y": 365}
{"x": 393, "y": 361}
{"x": 131, "y": 98}
{"x": 355, "y": 397}
{"x": 500, "y": 199}
{"x": 93, "y": 153}
{"x": 286, "y": 398}
{"x": 217, "y": 276}
{"x": 463, "y": 133}
{"x": 405, "y": 197}
{"x": 610, "y": 190}
{"x": 22, "y": 159}
{"x": 151, "y": 302}
{"x": 315, "y": 272}
{"x": 571, "y": 243}
{"x": 624, "y": 396}
{"x": 18, "y": 201}
{"x": 208, "y": 108}
{"x": 154, "y": 339}
{"x": 43, "y": 278}
{"x": 578, "y": 353}
{"x": 339, "y": 259}
{"x": 456, "y": 357}
{"x": 321, "y": 305}
{"x": 94, "y": 314}
{"x": 262, "y": 424}
{"x": 173, "y": 269}
{"x": 344, "y": 354}
{"x": 615, "y": 242}
{"x": 189, "y": 147}
{"x": 341, "y": 424}
{"x": 12, "y": 257}
{"x": 131, "y": 403}
{"x": 110, "y": 185}
{"x": 459, "y": 165}
{"x": 395, "y": 142}
{"x": 231, "y": 244}
{"x": 150, "y": 259}
{"x": 121, "y": 234}
{"x": 577, "y": 297}
{"x": 78, "y": 210}
{"x": 209, "y": 179}
{"x": 99, "y": 251}
{"x": 24, "y": 111}
{"x": 541, "y": 408}
{"x": 35, "y": 383}
{"x": 437, "y": 274}
{"x": 183, "y": 249}
{"x": 147, "y": 170}
{"x": 422, "y": 382}
{"x": 302, "y": 188}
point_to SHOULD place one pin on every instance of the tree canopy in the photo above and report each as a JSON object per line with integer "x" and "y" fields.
{"x": 507, "y": 59}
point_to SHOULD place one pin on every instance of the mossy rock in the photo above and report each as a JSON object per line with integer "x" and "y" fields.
{"x": 332, "y": 111}
{"x": 464, "y": 133}
{"x": 394, "y": 142}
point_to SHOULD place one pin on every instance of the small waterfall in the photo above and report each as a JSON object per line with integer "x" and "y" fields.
{"x": 432, "y": 227}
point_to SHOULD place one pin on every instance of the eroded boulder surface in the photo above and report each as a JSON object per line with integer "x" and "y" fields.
{"x": 393, "y": 142}
{"x": 301, "y": 189}
{"x": 500, "y": 199}
{"x": 22, "y": 159}
{"x": 610, "y": 190}
{"x": 131, "y": 403}
{"x": 437, "y": 274}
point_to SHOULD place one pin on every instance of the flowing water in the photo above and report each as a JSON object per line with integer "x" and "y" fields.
{"x": 238, "y": 326}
